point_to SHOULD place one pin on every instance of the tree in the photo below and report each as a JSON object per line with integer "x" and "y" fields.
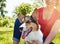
{"x": 2, "y": 6}
{"x": 24, "y": 9}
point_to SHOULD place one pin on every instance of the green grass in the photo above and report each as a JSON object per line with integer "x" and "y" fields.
{"x": 6, "y": 35}
{"x": 57, "y": 38}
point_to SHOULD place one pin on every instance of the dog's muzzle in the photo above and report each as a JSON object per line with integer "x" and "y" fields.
{"x": 25, "y": 33}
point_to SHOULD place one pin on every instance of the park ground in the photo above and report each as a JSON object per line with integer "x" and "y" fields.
{"x": 6, "y": 35}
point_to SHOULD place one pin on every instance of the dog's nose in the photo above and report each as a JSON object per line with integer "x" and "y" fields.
{"x": 21, "y": 29}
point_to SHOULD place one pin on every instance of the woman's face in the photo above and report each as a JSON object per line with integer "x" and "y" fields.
{"x": 21, "y": 17}
{"x": 51, "y": 2}
{"x": 58, "y": 2}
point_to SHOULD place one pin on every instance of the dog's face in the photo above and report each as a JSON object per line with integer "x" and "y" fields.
{"x": 32, "y": 25}
{"x": 28, "y": 27}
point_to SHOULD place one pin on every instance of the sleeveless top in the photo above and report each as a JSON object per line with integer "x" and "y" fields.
{"x": 46, "y": 25}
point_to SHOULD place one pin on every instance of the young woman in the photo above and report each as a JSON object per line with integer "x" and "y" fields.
{"x": 17, "y": 34}
{"x": 49, "y": 19}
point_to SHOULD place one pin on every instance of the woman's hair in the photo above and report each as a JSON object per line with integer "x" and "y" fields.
{"x": 20, "y": 14}
{"x": 35, "y": 10}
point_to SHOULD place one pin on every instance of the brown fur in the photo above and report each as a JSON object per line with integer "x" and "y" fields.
{"x": 33, "y": 25}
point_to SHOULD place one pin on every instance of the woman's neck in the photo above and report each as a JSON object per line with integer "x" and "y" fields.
{"x": 49, "y": 8}
{"x": 47, "y": 13}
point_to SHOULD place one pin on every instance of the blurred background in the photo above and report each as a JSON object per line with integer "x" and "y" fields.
{"x": 8, "y": 14}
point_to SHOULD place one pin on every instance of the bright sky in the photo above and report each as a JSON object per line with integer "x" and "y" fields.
{"x": 12, "y": 4}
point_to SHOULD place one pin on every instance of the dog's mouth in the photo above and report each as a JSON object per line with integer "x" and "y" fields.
{"x": 25, "y": 33}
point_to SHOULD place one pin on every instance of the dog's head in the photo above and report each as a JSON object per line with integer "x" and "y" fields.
{"x": 28, "y": 27}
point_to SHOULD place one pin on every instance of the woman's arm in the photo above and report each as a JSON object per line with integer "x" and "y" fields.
{"x": 53, "y": 32}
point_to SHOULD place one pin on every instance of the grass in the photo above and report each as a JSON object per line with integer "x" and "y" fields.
{"x": 6, "y": 35}
{"x": 57, "y": 38}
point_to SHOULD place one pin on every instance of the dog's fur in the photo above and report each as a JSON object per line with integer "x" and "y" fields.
{"x": 35, "y": 34}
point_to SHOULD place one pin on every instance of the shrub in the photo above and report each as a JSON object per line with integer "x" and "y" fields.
{"x": 1, "y": 24}
{"x": 11, "y": 25}
{"x": 5, "y": 22}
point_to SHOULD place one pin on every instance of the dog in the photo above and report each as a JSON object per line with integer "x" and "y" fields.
{"x": 31, "y": 31}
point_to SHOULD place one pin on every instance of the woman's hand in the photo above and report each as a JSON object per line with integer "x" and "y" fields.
{"x": 34, "y": 42}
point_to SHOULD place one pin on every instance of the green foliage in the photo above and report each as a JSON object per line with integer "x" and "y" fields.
{"x": 1, "y": 23}
{"x": 2, "y": 0}
{"x": 11, "y": 25}
{"x": 6, "y": 35}
{"x": 2, "y": 6}
{"x": 24, "y": 9}
{"x": 0, "y": 16}
{"x": 6, "y": 21}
